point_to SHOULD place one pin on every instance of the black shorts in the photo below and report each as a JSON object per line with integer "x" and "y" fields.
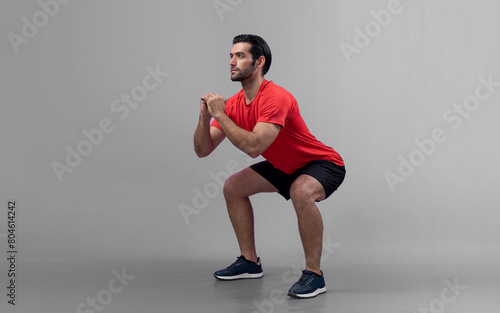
{"x": 329, "y": 174}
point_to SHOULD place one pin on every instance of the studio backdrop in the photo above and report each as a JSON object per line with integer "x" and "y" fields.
{"x": 100, "y": 100}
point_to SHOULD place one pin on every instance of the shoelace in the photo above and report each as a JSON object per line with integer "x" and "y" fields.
{"x": 238, "y": 261}
{"x": 305, "y": 279}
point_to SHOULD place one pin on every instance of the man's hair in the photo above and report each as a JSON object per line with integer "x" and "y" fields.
{"x": 258, "y": 48}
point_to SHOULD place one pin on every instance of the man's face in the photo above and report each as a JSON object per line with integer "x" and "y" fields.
{"x": 241, "y": 63}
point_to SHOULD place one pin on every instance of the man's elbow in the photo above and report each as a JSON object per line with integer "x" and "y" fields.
{"x": 201, "y": 154}
{"x": 253, "y": 155}
{"x": 255, "y": 152}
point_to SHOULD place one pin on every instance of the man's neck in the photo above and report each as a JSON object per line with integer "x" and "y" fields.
{"x": 251, "y": 87}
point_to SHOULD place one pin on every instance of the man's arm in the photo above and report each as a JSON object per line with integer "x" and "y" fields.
{"x": 206, "y": 138}
{"x": 254, "y": 142}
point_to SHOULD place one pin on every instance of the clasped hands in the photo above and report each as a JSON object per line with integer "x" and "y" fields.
{"x": 212, "y": 105}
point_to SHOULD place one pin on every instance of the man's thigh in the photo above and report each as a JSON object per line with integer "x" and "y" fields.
{"x": 248, "y": 182}
{"x": 328, "y": 174}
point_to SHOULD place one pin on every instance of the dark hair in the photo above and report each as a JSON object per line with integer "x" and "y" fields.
{"x": 258, "y": 48}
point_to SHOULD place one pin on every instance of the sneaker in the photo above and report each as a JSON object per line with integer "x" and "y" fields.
{"x": 308, "y": 286}
{"x": 241, "y": 269}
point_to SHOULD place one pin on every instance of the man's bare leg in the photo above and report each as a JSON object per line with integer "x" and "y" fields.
{"x": 237, "y": 190}
{"x": 304, "y": 192}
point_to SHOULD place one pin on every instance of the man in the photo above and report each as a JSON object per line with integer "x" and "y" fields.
{"x": 264, "y": 119}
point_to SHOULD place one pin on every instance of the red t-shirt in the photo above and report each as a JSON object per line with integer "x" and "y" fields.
{"x": 295, "y": 146}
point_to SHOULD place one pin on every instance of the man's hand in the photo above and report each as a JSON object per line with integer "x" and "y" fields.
{"x": 253, "y": 143}
{"x": 215, "y": 104}
{"x": 206, "y": 138}
{"x": 204, "y": 110}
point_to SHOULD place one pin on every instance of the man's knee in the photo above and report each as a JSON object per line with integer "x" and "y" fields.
{"x": 299, "y": 193}
{"x": 236, "y": 185}
{"x": 230, "y": 188}
{"x": 305, "y": 190}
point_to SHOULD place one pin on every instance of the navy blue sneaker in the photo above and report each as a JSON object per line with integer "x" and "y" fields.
{"x": 241, "y": 269}
{"x": 308, "y": 286}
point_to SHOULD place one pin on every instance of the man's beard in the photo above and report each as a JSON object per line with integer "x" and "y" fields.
{"x": 242, "y": 75}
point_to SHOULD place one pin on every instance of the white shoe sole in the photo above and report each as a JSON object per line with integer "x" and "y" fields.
{"x": 308, "y": 295}
{"x": 240, "y": 276}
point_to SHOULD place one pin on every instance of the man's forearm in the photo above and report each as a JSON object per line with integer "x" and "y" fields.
{"x": 202, "y": 138}
{"x": 244, "y": 140}
{"x": 253, "y": 142}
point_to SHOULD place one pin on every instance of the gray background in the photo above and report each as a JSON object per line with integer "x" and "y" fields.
{"x": 121, "y": 205}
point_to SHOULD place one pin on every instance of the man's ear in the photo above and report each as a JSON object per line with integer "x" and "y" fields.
{"x": 260, "y": 62}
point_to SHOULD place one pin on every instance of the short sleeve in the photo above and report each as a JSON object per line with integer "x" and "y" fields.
{"x": 275, "y": 109}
